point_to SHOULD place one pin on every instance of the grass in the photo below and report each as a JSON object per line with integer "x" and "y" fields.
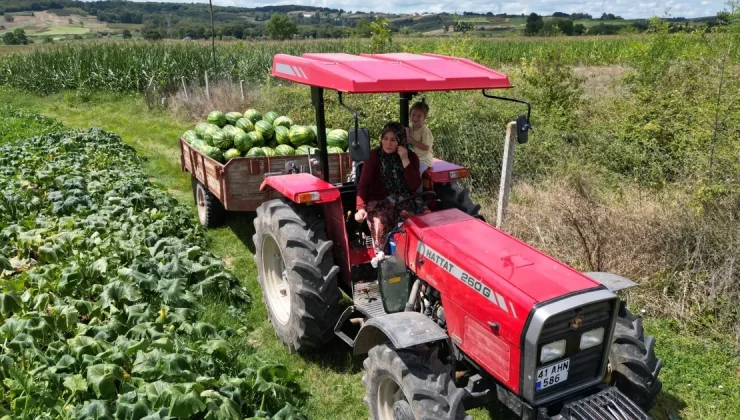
{"x": 700, "y": 374}
{"x": 59, "y": 30}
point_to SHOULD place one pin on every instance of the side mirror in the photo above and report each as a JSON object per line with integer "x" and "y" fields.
{"x": 359, "y": 144}
{"x": 522, "y": 129}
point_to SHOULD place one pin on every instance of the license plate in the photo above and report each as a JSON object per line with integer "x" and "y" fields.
{"x": 552, "y": 374}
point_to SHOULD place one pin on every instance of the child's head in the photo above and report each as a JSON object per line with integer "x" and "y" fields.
{"x": 419, "y": 112}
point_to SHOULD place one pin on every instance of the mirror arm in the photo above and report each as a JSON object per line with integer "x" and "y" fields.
{"x": 520, "y": 101}
{"x": 354, "y": 114}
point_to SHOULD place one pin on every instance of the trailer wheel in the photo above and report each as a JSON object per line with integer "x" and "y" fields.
{"x": 210, "y": 211}
{"x": 410, "y": 384}
{"x": 454, "y": 196}
{"x": 296, "y": 273}
{"x": 633, "y": 364}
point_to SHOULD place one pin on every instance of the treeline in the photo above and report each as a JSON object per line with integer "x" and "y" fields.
{"x": 564, "y": 24}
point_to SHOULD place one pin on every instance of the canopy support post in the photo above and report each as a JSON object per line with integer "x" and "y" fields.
{"x": 317, "y": 98}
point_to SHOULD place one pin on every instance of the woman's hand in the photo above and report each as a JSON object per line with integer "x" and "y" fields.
{"x": 404, "y": 154}
{"x": 360, "y": 215}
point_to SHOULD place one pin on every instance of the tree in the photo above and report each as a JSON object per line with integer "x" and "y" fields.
{"x": 9, "y": 17}
{"x": 382, "y": 40}
{"x": 9, "y": 39}
{"x": 362, "y": 29}
{"x": 17, "y": 37}
{"x": 534, "y": 24}
{"x": 126, "y": 34}
{"x": 281, "y": 27}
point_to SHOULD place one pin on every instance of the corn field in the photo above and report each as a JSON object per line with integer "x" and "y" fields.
{"x": 132, "y": 66}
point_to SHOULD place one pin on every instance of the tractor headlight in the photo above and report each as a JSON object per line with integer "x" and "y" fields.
{"x": 552, "y": 351}
{"x": 592, "y": 338}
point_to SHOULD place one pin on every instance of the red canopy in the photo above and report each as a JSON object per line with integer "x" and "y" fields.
{"x": 385, "y": 73}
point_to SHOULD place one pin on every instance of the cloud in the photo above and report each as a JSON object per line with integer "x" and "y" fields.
{"x": 629, "y": 9}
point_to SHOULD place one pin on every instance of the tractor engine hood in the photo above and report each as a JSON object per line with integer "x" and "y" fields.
{"x": 493, "y": 276}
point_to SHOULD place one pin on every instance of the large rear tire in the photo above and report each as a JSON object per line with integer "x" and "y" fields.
{"x": 211, "y": 212}
{"x": 633, "y": 364}
{"x": 454, "y": 196}
{"x": 296, "y": 273}
{"x": 410, "y": 385}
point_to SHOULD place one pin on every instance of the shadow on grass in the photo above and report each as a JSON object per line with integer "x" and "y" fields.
{"x": 668, "y": 406}
{"x": 337, "y": 356}
{"x": 242, "y": 224}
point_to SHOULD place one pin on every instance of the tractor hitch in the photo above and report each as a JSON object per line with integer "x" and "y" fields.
{"x": 609, "y": 403}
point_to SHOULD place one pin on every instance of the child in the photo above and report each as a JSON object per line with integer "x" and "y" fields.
{"x": 420, "y": 137}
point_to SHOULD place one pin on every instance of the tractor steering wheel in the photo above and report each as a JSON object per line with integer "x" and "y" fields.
{"x": 418, "y": 209}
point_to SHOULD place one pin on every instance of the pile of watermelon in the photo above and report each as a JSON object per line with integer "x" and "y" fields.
{"x": 225, "y": 136}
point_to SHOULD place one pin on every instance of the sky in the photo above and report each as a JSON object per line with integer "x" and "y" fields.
{"x": 628, "y": 9}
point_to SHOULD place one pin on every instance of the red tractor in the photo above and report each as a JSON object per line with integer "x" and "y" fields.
{"x": 461, "y": 314}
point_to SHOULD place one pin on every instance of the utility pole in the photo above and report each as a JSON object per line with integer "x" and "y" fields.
{"x": 213, "y": 39}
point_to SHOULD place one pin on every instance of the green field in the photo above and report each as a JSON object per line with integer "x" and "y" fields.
{"x": 622, "y": 173}
{"x": 56, "y": 30}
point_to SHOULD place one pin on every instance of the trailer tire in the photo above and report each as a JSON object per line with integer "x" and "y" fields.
{"x": 410, "y": 381}
{"x": 633, "y": 363}
{"x": 454, "y": 196}
{"x": 211, "y": 212}
{"x": 296, "y": 273}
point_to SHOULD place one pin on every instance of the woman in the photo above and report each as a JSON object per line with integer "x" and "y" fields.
{"x": 391, "y": 174}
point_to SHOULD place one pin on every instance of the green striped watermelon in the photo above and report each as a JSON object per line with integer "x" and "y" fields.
{"x": 245, "y": 124}
{"x": 190, "y": 136}
{"x": 300, "y": 135}
{"x": 270, "y": 117}
{"x": 209, "y": 133}
{"x": 305, "y": 150}
{"x": 231, "y": 154}
{"x": 233, "y": 117}
{"x": 222, "y": 140}
{"x": 268, "y": 151}
{"x": 332, "y": 149}
{"x": 252, "y": 115}
{"x": 264, "y": 128}
{"x": 256, "y": 139}
{"x": 282, "y": 135}
{"x": 218, "y": 118}
{"x": 337, "y": 138}
{"x": 283, "y": 121}
{"x": 255, "y": 151}
{"x": 200, "y": 128}
{"x": 284, "y": 150}
{"x": 243, "y": 142}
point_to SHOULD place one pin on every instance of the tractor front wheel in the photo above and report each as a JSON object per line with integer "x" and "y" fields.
{"x": 410, "y": 384}
{"x": 633, "y": 364}
{"x": 454, "y": 196}
{"x": 296, "y": 273}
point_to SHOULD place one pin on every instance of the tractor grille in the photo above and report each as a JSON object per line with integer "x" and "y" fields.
{"x": 607, "y": 404}
{"x": 585, "y": 365}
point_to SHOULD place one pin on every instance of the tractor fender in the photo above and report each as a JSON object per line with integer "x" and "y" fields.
{"x": 613, "y": 282}
{"x": 299, "y": 187}
{"x": 402, "y": 329}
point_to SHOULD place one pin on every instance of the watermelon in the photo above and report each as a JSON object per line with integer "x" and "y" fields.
{"x": 284, "y": 150}
{"x": 233, "y": 117}
{"x": 255, "y": 151}
{"x": 222, "y": 140}
{"x": 252, "y": 115}
{"x": 243, "y": 142}
{"x": 268, "y": 151}
{"x": 300, "y": 135}
{"x": 232, "y": 132}
{"x": 306, "y": 150}
{"x": 337, "y": 138}
{"x": 271, "y": 143}
{"x": 190, "y": 136}
{"x": 264, "y": 128}
{"x": 218, "y": 118}
{"x": 283, "y": 121}
{"x": 245, "y": 124}
{"x": 231, "y": 154}
{"x": 209, "y": 133}
{"x": 315, "y": 130}
{"x": 270, "y": 117}
{"x": 332, "y": 149}
{"x": 201, "y": 128}
{"x": 200, "y": 144}
{"x": 282, "y": 135}
{"x": 214, "y": 153}
{"x": 256, "y": 139}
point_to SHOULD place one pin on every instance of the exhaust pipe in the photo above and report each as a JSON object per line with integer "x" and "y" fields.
{"x": 412, "y": 297}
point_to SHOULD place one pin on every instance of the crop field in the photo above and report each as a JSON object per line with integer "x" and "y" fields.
{"x": 116, "y": 302}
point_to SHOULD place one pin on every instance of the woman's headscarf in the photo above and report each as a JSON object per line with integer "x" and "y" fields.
{"x": 391, "y": 166}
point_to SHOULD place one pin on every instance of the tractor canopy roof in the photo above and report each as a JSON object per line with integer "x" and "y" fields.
{"x": 387, "y": 73}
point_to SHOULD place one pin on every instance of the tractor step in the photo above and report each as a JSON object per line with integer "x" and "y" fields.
{"x": 338, "y": 328}
{"x": 607, "y": 404}
{"x": 366, "y": 297}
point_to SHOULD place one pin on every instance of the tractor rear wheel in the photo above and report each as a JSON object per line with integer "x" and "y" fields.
{"x": 296, "y": 273}
{"x": 454, "y": 196}
{"x": 210, "y": 211}
{"x": 410, "y": 385}
{"x": 633, "y": 364}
